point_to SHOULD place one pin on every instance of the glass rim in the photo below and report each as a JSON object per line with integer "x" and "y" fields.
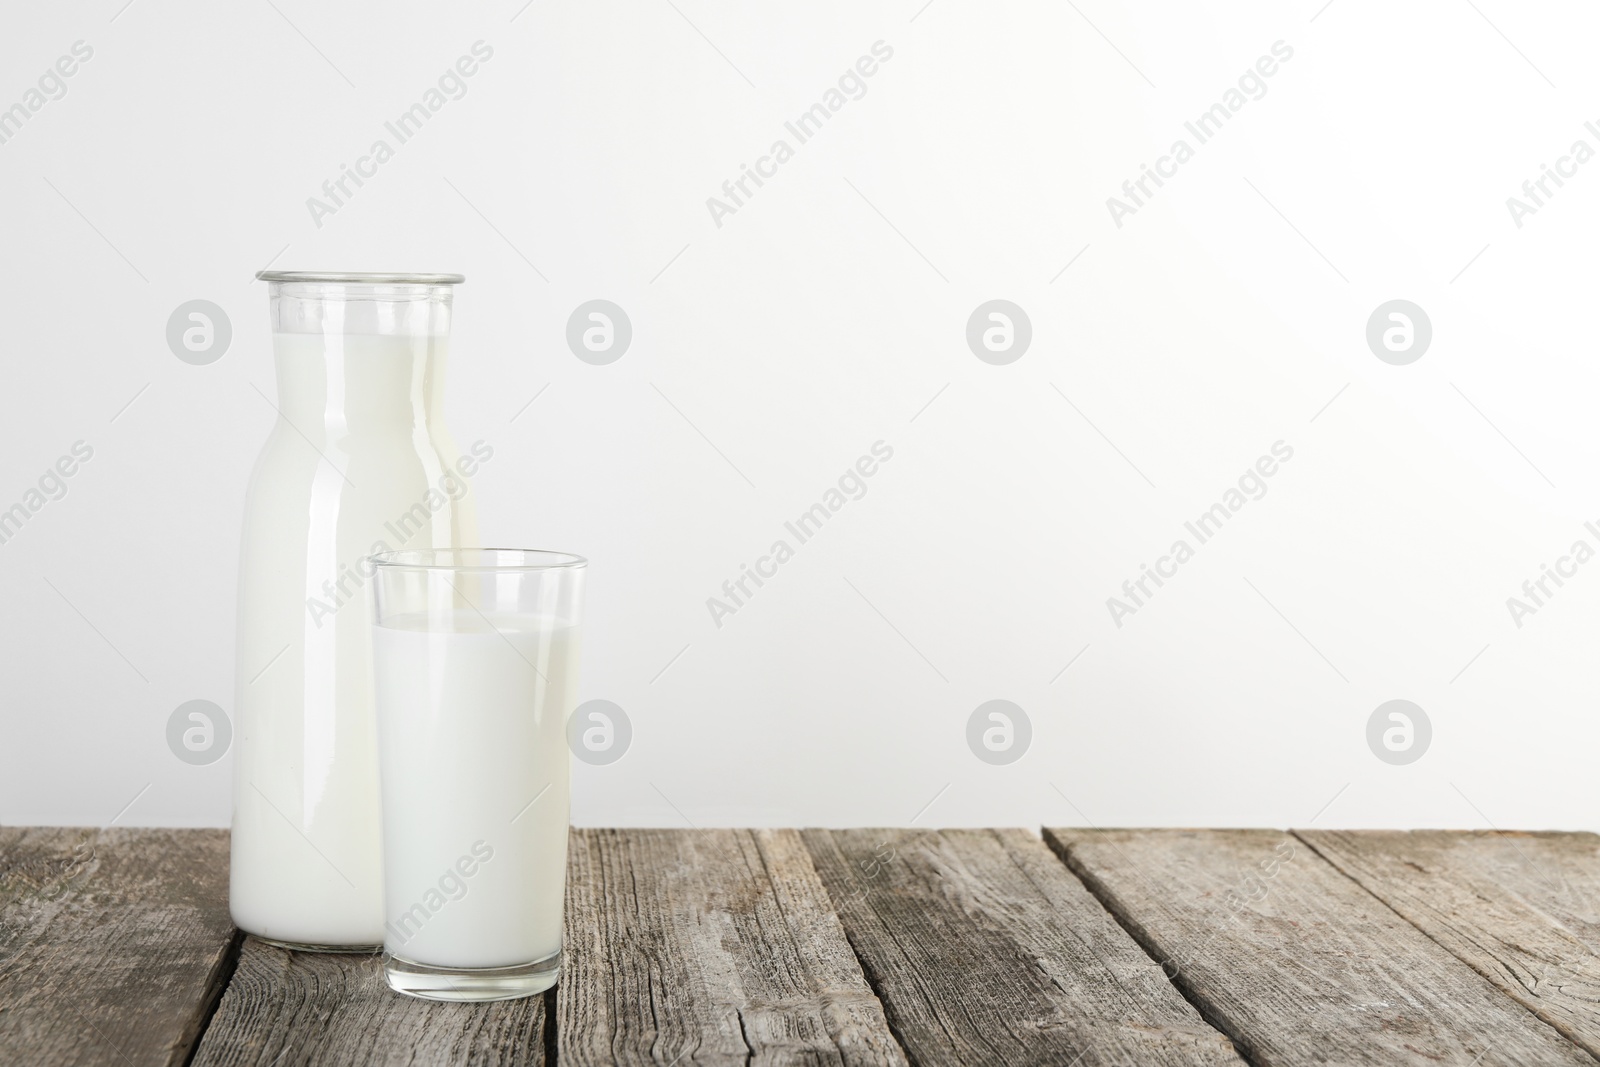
{"x": 321, "y": 277}
{"x": 458, "y": 559}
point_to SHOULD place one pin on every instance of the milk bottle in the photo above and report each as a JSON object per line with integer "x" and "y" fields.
{"x": 358, "y": 462}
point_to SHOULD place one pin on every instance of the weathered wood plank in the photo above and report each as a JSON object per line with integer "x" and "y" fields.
{"x": 114, "y": 943}
{"x": 305, "y": 1009}
{"x": 1523, "y": 910}
{"x": 1294, "y": 960}
{"x": 708, "y": 947}
{"x": 986, "y": 950}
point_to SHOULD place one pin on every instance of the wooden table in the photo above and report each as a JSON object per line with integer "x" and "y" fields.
{"x": 857, "y": 947}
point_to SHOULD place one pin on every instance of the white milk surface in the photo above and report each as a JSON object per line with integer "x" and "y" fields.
{"x": 349, "y": 465}
{"x": 474, "y": 770}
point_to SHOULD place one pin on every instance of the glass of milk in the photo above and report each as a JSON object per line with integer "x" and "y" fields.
{"x": 475, "y": 657}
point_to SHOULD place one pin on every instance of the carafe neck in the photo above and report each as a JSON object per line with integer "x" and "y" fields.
{"x": 359, "y": 383}
{"x": 359, "y": 353}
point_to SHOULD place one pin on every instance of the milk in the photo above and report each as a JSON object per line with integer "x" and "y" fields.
{"x": 473, "y": 750}
{"x": 357, "y": 448}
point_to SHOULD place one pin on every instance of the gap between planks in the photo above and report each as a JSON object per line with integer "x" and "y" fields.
{"x": 216, "y": 986}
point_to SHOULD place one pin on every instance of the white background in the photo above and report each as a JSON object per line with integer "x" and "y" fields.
{"x": 1227, "y": 314}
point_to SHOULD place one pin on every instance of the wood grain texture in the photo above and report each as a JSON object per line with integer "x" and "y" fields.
{"x": 986, "y": 950}
{"x": 304, "y": 1009}
{"x": 708, "y": 947}
{"x": 1523, "y": 910}
{"x": 114, "y": 943}
{"x": 1296, "y": 961}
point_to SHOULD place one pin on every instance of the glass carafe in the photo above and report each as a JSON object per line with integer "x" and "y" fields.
{"x": 358, "y": 462}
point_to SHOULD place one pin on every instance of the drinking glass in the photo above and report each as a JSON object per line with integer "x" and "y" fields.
{"x": 475, "y": 656}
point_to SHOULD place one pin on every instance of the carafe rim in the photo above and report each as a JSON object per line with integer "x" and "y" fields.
{"x": 315, "y": 277}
